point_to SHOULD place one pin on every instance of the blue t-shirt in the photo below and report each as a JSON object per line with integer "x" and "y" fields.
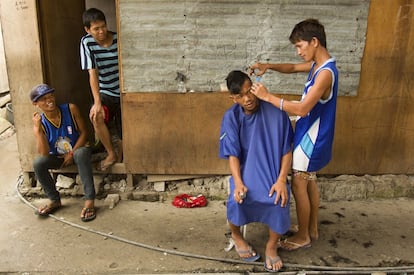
{"x": 259, "y": 141}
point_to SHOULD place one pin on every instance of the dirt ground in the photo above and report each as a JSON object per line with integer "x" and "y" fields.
{"x": 135, "y": 237}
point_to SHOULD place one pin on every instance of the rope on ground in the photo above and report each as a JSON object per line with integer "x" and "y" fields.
{"x": 303, "y": 269}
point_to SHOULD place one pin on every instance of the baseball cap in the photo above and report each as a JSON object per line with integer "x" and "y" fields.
{"x": 39, "y": 91}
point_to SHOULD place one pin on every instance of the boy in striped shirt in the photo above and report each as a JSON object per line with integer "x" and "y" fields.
{"x": 99, "y": 55}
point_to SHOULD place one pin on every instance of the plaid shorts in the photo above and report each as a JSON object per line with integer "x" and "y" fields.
{"x": 304, "y": 175}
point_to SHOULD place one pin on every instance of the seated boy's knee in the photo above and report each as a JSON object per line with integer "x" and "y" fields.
{"x": 97, "y": 121}
{"x": 39, "y": 162}
{"x": 82, "y": 153}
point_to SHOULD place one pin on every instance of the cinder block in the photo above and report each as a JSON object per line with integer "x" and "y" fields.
{"x": 159, "y": 186}
{"x": 112, "y": 200}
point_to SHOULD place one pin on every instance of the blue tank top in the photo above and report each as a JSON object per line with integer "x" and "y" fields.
{"x": 62, "y": 137}
{"x": 314, "y": 132}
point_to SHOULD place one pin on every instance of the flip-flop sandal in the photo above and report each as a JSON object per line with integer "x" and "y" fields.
{"x": 48, "y": 208}
{"x": 89, "y": 214}
{"x": 254, "y": 255}
{"x": 272, "y": 261}
{"x": 293, "y": 245}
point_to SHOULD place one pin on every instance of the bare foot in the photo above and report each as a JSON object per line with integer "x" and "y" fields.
{"x": 314, "y": 235}
{"x": 104, "y": 164}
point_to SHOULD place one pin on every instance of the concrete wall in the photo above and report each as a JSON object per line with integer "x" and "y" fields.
{"x": 41, "y": 43}
{"x": 4, "y": 81}
{"x": 206, "y": 39}
{"x": 24, "y": 67}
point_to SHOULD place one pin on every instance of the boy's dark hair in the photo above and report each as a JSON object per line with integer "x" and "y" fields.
{"x": 308, "y": 29}
{"x": 91, "y": 15}
{"x": 235, "y": 81}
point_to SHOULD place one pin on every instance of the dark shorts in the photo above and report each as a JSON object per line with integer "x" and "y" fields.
{"x": 112, "y": 108}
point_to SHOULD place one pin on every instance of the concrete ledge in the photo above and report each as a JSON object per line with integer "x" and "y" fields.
{"x": 156, "y": 178}
{"x": 351, "y": 187}
{"x": 343, "y": 187}
{"x": 117, "y": 168}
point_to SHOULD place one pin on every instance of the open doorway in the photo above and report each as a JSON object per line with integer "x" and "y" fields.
{"x": 109, "y": 9}
{"x": 61, "y": 53}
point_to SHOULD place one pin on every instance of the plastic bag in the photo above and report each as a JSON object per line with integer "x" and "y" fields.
{"x": 187, "y": 201}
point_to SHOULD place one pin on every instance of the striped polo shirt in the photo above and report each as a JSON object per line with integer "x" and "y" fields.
{"x": 94, "y": 56}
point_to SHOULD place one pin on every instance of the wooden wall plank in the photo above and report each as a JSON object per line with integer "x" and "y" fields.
{"x": 172, "y": 133}
{"x": 169, "y": 133}
{"x": 374, "y": 130}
